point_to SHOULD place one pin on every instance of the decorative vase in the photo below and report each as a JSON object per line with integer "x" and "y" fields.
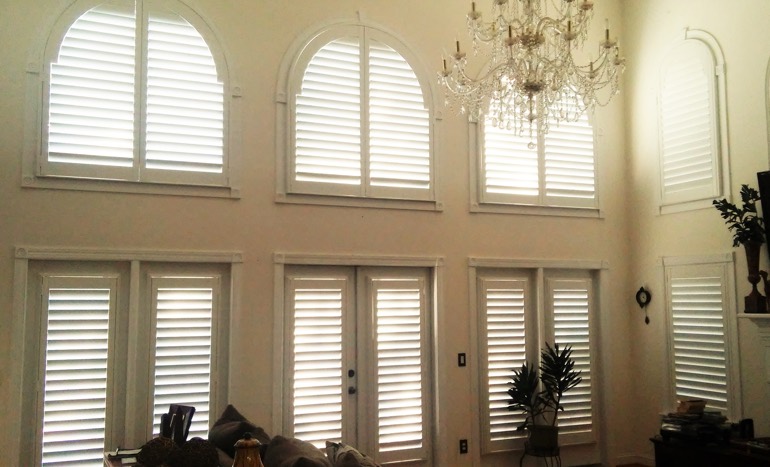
{"x": 247, "y": 452}
{"x": 543, "y": 440}
{"x": 754, "y": 302}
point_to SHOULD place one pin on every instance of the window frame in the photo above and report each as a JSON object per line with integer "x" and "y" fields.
{"x": 290, "y": 76}
{"x": 480, "y": 202}
{"x": 130, "y": 417}
{"x": 719, "y": 130}
{"x": 37, "y": 91}
{"x": 725, "y": 264}
{"x": 538, "y": 277}
{"x": 431, "y": 266}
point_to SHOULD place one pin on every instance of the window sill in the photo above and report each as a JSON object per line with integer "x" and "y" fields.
{"x": 352, "y": 202}
{"x": 113, "y": 186}
{"x": 520, "y": 209}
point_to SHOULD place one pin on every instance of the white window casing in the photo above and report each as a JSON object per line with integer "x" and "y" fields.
{"x": 694, "y": 162}
{"x": 702, "y": 332}
{"x": 355, "y": 122}
{"x": 133, "y": 96}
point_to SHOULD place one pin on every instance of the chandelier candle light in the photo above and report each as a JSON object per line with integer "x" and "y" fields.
{"x": 530, "y": 77}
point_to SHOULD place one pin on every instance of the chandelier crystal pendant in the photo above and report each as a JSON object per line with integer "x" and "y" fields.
{"x": 530, "y": 78}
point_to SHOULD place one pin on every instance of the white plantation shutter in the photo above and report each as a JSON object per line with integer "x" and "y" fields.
{"x": 559, "y": 172}
{"x": 184, "y": 309}
{"x": 98, "y": 83}
{"x": 185, "y": 109}
{"x": 503, "y": 305}
{"x": 91, "y": 97}
{"x": 698, "y": 338}
{"x": 328, "y": 119}
{"x": 688, "y": 118}
{"x": 317, "y": 358}
{"x": 571, "y": 303}
{"x": 77, "y": 359}
{"x": 399, "y": 311}
{"x": 362, "y": 127}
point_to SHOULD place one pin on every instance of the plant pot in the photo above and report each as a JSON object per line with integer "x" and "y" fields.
{"x": 754, "y": 302}
{"x": 543, "y": 440}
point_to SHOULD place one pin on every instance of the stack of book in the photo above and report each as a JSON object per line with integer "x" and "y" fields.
{"x": 705, "y": 427}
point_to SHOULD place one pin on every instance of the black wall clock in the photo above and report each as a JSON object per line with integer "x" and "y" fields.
{"x": 643, "y": 297}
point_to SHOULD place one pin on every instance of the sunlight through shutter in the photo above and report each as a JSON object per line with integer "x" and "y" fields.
{"x": 690, "y": 151}
{"x": 318, "y": 307}
{"x": 185, "y": 110}
{"x": 328, "y": 116}
{"x": 571, "y": 308}
{"x": 76, "y": 363}
{"x": 91, "y": 101}
{"x": 570, "y": 170}
{"x": 398, "y": 313}
{"x": 700, "y": 360}
{"x": 184, "y": 309}
{"x": 510, "y": 167}
{"x": 399, "y": 141}
{"x": 503, "y": 303}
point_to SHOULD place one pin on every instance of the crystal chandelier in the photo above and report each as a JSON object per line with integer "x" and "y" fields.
{"x": 530, "y": 78}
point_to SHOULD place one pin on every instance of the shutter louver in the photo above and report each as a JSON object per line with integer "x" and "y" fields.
{"x": 76, "y": 362}
{"x": 571, "y": 308}
{"x": 91, "y": 100}
{"x": 317, "y": 355}
{"x": 504, "y": 306}
{"x": 700, "y": 361}
{"x": 398, "y": 326}
{"x": 183, "y": 340}
{"x": 511, "y": 169}
{"x": 328, "y": 117}
{"x": 688, "y": 121}
{"x": 185, "y": 104}
{"x": 399, "y": 139}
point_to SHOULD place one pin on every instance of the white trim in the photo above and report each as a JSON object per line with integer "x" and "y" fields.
{"x": 98, "y": 254}
{"x": 475, "y": 262}
{"x": 668, "y": 261}
{"x": 310, "y": 259}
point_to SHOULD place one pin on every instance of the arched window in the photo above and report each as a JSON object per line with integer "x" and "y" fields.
{"x": 693, "y": 129}
{"x": 134, "y": 92}
{"x": 357, "y": 120}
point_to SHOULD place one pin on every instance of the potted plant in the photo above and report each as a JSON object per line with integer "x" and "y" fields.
{"x": 537, "y": 392}
{"x": 748, "y": 229}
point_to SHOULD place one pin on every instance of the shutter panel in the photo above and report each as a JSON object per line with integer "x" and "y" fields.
{"x": 511, "y": 169}
{"x": 400, "y": 385}
{"x": 328, "y": 120}
{"x": 76, "y": 370}
{"x": 185, "y": 109}
{"x": 689, "y": 146}
{"x": 572, "y": 302}
{"x": 569, "y": 164}
{"x": 91, "y": 99}
{"x": 318, "y": 307}
{"x": 700, "y": 361}
{"x": 399, "y": 135}
{"x": 184, "y": 309}
{"x": 503, "y": 305}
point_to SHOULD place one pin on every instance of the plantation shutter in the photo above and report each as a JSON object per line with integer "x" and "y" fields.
{"x": 697, "y": 302}
{"x": 503, "y": 304}
{"x": 559, "y": 172}
{"x": 184, "y": 310}
{"x": 688, "y": 119}
{"x": 77, "y": 357}
{"x": 91, "y": 98}
{"x": 318, "y": 308}
{"x": 362, "y": 127}
{"x": 185, "y": 104}
{"x": 399, "y": 138}
{"x": 99, "y": 82}
{"x": 571, "y": 302}
{"x": 401, "y": 348}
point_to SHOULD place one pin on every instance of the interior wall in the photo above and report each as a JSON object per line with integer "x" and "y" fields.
{"x": 740, "y": 28}
{"x": 256, "y": 34}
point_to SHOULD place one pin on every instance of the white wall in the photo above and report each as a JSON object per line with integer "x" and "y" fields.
{"x": 256, "y": 34}
{"x": 741, "y": 29}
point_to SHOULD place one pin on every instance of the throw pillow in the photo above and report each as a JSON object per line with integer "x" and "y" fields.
{"x": 293, "y": 452}
{"x": 343, "y": 455}
{"x": 230, "y": 427}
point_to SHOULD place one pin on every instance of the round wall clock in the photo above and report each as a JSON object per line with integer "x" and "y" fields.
{"x": 643, "y": 297}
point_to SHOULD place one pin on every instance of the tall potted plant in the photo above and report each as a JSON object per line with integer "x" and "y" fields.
{"x": 748, "y": 229}
{"x": 537, "y": 392}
